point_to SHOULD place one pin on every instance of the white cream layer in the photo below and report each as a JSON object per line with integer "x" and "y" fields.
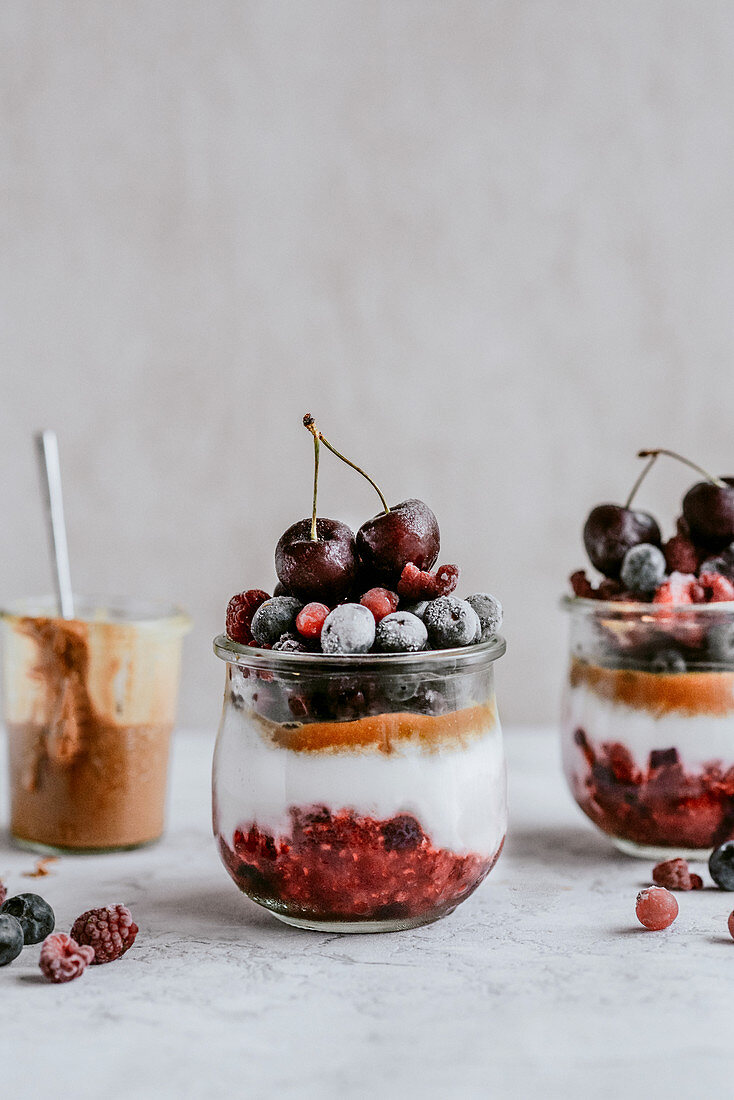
{"x": 699, "y": 739}
{"x": 459, "y": 796}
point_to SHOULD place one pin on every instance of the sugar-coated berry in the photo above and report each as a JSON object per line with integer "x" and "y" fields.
{"x": 310, "y": 619}
{"x": 668, "y": 660}
{"x": 730, "y": 924}
{"x": 489, "y": 610}
{"x": 717, "y": 588}
{"x": 721, "y": 865}
{"x": 240, "y": 611}
{"x": 581, "y": 585}
{"x": 62, "y": 959}
{"x": 289, "y": 643}
{"x": 275, "y": 617}
{"x": 720, "y": 563}
{"x": 643, "y": 569}
{"x": 380, "y": 601}
{"x": 679, "y": 588}
{"x": 656, "y": 908}
{"x": 401, "y": 632}
{"x": 418, "y": 608}
{"x": 110, "y": 931}
{"x": 349, "y": 628}
{"x": 451, "y": 622}
{"x": 11, "y": 939}
{"x": 675, "y": 874}
{"x": 35, "y": 916}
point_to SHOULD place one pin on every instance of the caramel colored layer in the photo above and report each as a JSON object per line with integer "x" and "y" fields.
{"x": 658, "y": 692}
{"x": 384, "y": 732}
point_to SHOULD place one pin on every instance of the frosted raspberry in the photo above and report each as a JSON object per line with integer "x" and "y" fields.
{"x": 420, "y": 584}
{"x": 381, "y": 602}
{"x": 656, "y": 908}
{"x": 109, "y": 932}
{"x": 676, "y": 590}
{"x": 240, "y": 612}
{"x": 310, "y": 619}
{"x": 681, "y": 555}
{"x": 675, "y": 874}
{"x": 717, "y": 588}
{"x": 581, "y": 585}
{"x": 63, "y": 959}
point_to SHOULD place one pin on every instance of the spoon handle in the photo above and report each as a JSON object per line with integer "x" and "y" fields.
{"x": 50, "y": 470}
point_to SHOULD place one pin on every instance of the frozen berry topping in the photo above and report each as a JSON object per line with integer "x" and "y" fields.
{"x": 452, "y": 622}
{"x": 63, "y": 959}
{"x": 349, "y": 628}
{"x": 274, "y": 618}
{"x": 3, "y": 892}
{"x": 35, "y": 916}
{"x": 656, "y": 908}
{"x": 401, "y": 632}
{"x": 109, "y": 931}
{"x": 489, "y": 611}
{"x": 380, "y": 601}
{"x": 675, "y": 874}
{"x": 643, "y": 569}
{"x": 240, "y": 611}
{"x": 421, "y": 584}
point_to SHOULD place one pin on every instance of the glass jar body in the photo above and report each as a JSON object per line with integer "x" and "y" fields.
{"x": 359, "y": 795}
{"x": 648, "y": 724}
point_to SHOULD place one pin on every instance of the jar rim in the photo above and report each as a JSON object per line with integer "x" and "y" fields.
{"x": 464, "y": 657}
{"x": 630, "y": 608}
{"x": 98, "y": 609}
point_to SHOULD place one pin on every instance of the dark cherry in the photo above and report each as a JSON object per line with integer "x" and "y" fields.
{"x": 709, "y": 511}
{"x": 611, "y": 530}
{"x": 323, "y": 569}
{"x": 407, "y": 533}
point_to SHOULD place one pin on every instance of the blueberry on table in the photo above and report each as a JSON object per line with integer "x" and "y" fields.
{"x": 273, "y": 618}
{"x": 34, "y": 915}
{"x": 349, "y": 628}
{"x": 451, "y": 622}
{"x": 401, "y": 632}
{"x": 721, "y": 865}
{"x": 489, "y": 610}
{"x": 11, "y": 939}
{"x": 643, "y": 569}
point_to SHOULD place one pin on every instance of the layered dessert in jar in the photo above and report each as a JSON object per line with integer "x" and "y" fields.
{"x": 648, "y": 712}
{"x": 359, "y": 775}
{"x": 89, "y": 705}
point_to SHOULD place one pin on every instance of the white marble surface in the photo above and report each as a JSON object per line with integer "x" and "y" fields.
{"x": 541, "y": 984}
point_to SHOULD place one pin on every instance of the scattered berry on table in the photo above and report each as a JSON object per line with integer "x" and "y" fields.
{"x": 681, "y": 555}
{"x": 721, "y": 865}
{"x": 380, "y": 601}
{"x": 656, "y": 908}
{"x": 401, "y": 632}
{"x": 675, "y": 874}
{"x": 489, "y": 610}
{"x": 420, "y": 584}
{"x": 643, "y": 569}
{"x": 730, "y": 924}
{"x": 349, "y": 628}
{"x": 63, "y": 959}
{"x": 35, "y": 916}
{"x": 11, "y": 939}
{"x": 451, "y": 622}
{"x": 240, "y": 611}
{"x": 310, "y": 620}
{"x": 274, "y": 617}
{"x": 109, "y": 931}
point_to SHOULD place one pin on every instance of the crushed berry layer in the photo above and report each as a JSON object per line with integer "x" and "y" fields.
{"x": 338, "y": 866}
{"x": 661, "y": 805}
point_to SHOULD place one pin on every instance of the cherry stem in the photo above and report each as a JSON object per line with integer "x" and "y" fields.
{"x": 310, "y": 424}
{"x": 686, "y": 462}
{"x": 314, "y": 536}
{"x": 641, "y": 478}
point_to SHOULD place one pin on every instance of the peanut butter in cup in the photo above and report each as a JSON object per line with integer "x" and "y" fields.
{"x": 89, "y": 706}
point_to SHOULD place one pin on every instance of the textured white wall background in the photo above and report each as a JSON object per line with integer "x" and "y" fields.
{"x": 488, "y": 244}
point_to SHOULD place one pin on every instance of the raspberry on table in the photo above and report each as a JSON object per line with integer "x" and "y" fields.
{"x": 730, "y": 924}
{"x": 109, "y": 932}
{"x": 63, "y": 959}
{"x": 310, "y": 619}
{"x": 675, "y": 874}
{"x": 421, "y": 584}
{"x": 240, "y": 611}
{"x": 656, "y": 908}
{"x": 381, "y": 602}
{"x": 681, "y": 555}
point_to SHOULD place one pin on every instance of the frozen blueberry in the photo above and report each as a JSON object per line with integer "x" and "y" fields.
{"x": 275, "y": 617}
{"x": 643, "y": 569}
{"x": 668, "y": 660}
{"x": 11, "y": 939}
{"x": 418, "y": 608}
{"x": 451, "y": 622}
{"x": 349, "y": 628}
{"x": 34, "y": 915}
{"x": 721, "y": 563}
{"x": 721, "y": 865}
{"x": 288, "y": 643}
{"x": 720, "y": 643}
{"x": 401, "y": 632}
{"x": 489, "y": 610}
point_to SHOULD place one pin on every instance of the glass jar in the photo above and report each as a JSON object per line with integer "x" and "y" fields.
{"x": 359, "y": 793}
{"x": 89, "y": 705}
{"x": 648, "y": 723}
